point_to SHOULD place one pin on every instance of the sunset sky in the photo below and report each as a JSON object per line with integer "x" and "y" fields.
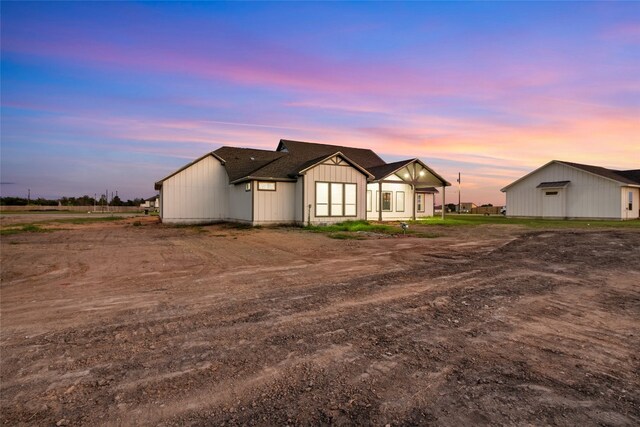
{"x": 118, "y": 95}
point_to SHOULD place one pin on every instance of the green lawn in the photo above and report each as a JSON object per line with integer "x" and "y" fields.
{"x": 453, "y": 220}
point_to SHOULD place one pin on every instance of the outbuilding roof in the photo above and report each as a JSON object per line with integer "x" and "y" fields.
{"x": 628, "y": 177}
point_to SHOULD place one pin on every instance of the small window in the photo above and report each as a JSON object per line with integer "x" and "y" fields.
{"x": 266, "y": 186}
{"x": 399, "y": 201}
{"x": 369, "y": 201}
{"x": 420, "y": 202}
{"x": 386, "y": 201}
{"x": 551, "y": 193}
{"x": 630, "y": 200}
{"x": 247, "y": 186}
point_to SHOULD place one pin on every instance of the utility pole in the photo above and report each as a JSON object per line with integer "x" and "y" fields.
{"x": 459, "y": 204}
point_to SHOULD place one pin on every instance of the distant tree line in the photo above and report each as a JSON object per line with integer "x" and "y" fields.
{"x": 69, "y": 201}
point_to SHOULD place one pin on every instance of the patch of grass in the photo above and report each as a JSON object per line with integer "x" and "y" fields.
{"x": 475, "y": 220}
{"x": 27, "y": 228}
{"x": 137, "y": 224}
{"x": 353, "y": 226}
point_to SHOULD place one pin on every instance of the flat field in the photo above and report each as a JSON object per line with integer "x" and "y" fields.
{"x": 131, "y": 322}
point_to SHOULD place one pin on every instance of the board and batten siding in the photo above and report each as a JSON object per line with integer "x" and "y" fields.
{"x": 240, "y": 201}
{"x": 405, "y": 211}
{"x": 274, "y": 207}
{"x": 586, "y": 196}
{"x": 197, "y": 194}
{"x": 334, "y": 173}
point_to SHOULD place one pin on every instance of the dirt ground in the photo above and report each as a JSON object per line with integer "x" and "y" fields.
{"x": 117, "y": 324}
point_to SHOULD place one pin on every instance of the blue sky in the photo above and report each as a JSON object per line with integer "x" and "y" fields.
{"x": 117, "y": 95}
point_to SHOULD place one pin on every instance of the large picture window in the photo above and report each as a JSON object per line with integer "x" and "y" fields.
{"x": 399, "y": 201}
{"x": 336, "y": 199}
{"x": 386, "y": 201}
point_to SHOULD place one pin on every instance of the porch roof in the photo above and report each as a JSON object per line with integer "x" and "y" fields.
{"x": 411, "y": 171}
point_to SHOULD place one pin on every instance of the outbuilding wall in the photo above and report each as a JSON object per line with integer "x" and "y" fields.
{"x": 586, "y": 196}
{"x": 196, "y": 195}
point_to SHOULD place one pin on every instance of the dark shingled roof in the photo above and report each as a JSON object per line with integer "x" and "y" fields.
{"x": 381, "y": 171}
{"x": 241, "y": 162}
{"x": 293, "y": 156}
{"x": 311, "y": 150}
{"x": 626, "y": 177}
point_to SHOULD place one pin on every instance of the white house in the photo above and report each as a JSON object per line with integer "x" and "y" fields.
{"x": 571, "y": 190}
{"x": 299, "y": 182}
{"x": 151, "y": 202}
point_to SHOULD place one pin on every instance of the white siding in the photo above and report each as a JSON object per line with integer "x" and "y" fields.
{"x": 240, "y": 202}
{"x": 197, "y": 194}
{"x": 394, "y": 188}
{"x": 586, "y": 196}
{"x": 334, "y": 173}
{"x": 275, "y": 206}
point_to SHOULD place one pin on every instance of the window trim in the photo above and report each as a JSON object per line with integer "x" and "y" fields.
{"x": 275, "y": 186}
{"x": 344, "y": 204}
{"x": 398, "y": 203}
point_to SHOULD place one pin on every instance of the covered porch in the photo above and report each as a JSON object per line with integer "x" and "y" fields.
{"x": 403, "y": 190}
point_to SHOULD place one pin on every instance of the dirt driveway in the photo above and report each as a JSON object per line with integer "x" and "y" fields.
{"x": 122, "y": 324}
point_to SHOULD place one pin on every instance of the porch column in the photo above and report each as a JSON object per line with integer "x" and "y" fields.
{"x": 380, "y": 201}
{"x": 413, "y": 190}
{"x": 443, "y": 207}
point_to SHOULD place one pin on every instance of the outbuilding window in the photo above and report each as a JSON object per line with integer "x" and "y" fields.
{"x": 335, "y": 199}
{"x": 551, "y": 193}
{"x": 247, "y": 186}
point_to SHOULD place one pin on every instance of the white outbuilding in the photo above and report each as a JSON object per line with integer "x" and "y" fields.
{"x": 568, "y": 190}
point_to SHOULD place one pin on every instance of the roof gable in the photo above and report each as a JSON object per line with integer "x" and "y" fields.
{"x": 623, "y": 177}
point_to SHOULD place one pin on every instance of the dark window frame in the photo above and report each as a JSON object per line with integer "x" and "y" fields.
{"x": 390, "y": 201}
{"x": 344, "y": 204}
